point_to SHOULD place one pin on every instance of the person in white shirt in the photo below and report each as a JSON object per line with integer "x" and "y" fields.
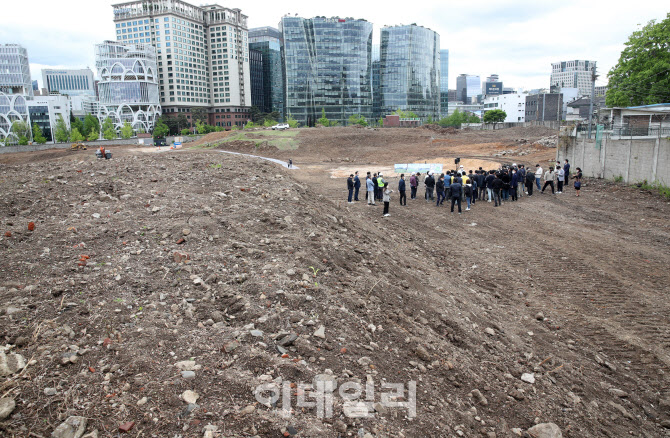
{"x": 560, "y": 176}
{"x": 538, "y": 176}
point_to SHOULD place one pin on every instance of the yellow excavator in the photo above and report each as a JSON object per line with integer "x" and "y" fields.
{"x": 78, "y": 146}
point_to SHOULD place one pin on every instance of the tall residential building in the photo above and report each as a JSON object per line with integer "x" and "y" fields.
{"x": 256, "y": 75}
{"x": 45, "y": 111}
{"x": 572, "y": 74}
{"x": 328, "y": 63}
{"x": 71, "y": 82}
{"x": 410, "y": 70}
{"x": 453, "y": 96}
{"x": 203, "y": 55}
{"x": 267, "y": 40}
{"x": 128, "y": 84}
{"x": 444, "y": 82}
{"x": 468, "y": 87}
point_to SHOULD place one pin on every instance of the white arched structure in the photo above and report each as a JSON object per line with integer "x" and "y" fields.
{"x": 128, "y": 86}
{"x": 13, "y": 108}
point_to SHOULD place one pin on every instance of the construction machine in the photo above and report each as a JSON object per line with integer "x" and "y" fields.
{"x": 77, "y": 146}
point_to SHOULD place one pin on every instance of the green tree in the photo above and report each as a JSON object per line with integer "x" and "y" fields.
{"x": 108, "y": 131}
{"x": 23, "y": 140}
{"x": 199, "y": 114}
{"x": 161, "y": 129}
{"x": 323, "y": 121}
{"x": 200, "y": 127}
{"x": 62, "y": 133}
{"x": 182, "y": 122}
{"x": 472, "y": 118}
{"x": 430, "y": 120}
{"x": 38, "y": 136}
{"x": 76, "y": 123}
{"x": 93, "y": 135}
{"x": 642, "y": 75}
{"x": 76, "y": 136}
{"x": 381, "y": 122}
{"x": 357, "y": 119}
{"x": 405, "y": 114}
{"x": 269, "y": 123}
{"x": 249, "y": 125}
{"x": 185, "y": 132}
{"x": 495, "y": 116}
{"x": 293, "y": 123}
{"x": 126, "y": 131}
{"x": 91, "y": 122}
{"x": 21, "y": 129}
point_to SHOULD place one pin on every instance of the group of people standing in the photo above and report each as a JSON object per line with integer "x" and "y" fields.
{"x": 497, "y": 186}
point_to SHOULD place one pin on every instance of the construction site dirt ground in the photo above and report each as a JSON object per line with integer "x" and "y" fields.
{"x": 161, "y": 289}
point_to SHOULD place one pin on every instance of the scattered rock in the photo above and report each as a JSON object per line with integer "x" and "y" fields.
{"x": 490, "y": 331}
{"x": 73, "y": 427}
{"x": 7, "y": 406}
{"x": 11, "y": 363}
{"x": 539, "y": 316}
{"x": 50, "y": 391}
{"x": 479, "y": 397}
{"x": 126, "y": 427}
{"x": 528, "y": 377}
{"x": 190, "y": 397}
{"x": 248, "y": 410}
{"x": 422, "y": 353}
{"x": 545, "y": 430}
{"x": 187, "y": 365}
{"x": 188, "y": 374}
{"x": 320, "y": 332}
{"x": 142, "y": 401}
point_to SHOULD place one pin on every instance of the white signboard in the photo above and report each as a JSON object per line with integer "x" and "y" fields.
{"x": 414, "y": 167}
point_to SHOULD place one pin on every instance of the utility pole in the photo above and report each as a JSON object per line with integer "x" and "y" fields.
{"x": 593, "y": 96}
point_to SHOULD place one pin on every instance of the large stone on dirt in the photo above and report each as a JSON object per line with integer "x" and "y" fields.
{"x": 7, "y": 406}
{"x": 11, "y": 364}
{"x": 73, "y": 427}
{"x": 545, "y": 430}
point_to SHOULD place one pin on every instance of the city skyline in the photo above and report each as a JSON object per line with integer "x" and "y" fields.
{"x": 517, "y": 39}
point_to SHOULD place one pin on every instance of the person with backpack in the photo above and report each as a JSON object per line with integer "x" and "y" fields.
{"x": 521, "y": 174}
{"x": 401, "y": 190}
{"x": 456, "y": 189}
{"x": 468, "y": 195}
{"x": 413, "y": 184}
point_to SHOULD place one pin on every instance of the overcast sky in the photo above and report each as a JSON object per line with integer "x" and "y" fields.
{"x": 517, "y": 39}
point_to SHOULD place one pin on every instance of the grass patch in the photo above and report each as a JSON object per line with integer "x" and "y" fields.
{"x": 282, "y": 140}
{"x": 662, "y": 189}
{"x": 618, "y": 179}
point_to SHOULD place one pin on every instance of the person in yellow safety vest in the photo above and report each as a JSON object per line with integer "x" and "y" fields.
{"x": 380, "y": 186}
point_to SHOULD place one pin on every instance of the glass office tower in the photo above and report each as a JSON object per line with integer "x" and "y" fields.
{"x": 410, "y": 70}
{"x": 328, "y": 65}
{"x": 444, "y": 82}
{"x": 267, "y": 40}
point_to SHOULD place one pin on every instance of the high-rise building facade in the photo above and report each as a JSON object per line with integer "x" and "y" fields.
{"x": 544, "y": 107}
{"x": 203, "y": 55}
{"x": 256, "y": 74}
{"x": 267, "y": 40}
{"x": 376, "y": 83}
{"x": 71, "y": 82}
{"x": 16, "y": 88}
{"x": 128, "y": 84}
{"x": 493, "y": 86}
{"x": 410, "y": 70}
{"x": 15, "y": 70}
{"x": 444, "y": 82}
{"x": 328, "y": 63}
{"x": 468, "y": 87}
{"x": 514, "y": 106}
{"x": 573, "y": 74}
